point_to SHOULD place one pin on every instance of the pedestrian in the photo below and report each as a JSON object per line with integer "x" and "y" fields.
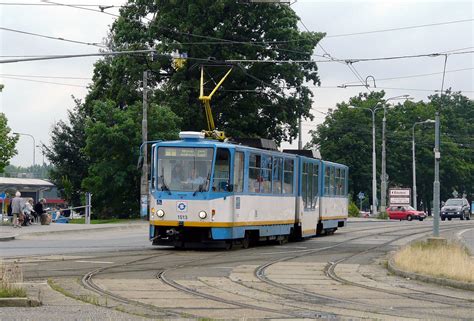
{"x": 16, "y": 209}
{"x": 39, "y": 209}
{"x": 27, "y": 211}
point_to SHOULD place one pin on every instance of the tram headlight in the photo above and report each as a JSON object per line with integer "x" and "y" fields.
{"x": 160, "y": 213}
{"x": 202, "y": 215}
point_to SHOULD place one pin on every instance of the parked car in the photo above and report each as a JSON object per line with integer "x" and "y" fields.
{"x": 457, "y": 208}
{"x": 405, "y": 213}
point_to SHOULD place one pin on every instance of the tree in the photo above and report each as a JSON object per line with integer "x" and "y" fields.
{"x": 112, "y": 146}
{"x": 66, "y": 154}
{"x": 346, "y": 137}
{"x": 259, "y": 99}
{"x": 7, "y": 143}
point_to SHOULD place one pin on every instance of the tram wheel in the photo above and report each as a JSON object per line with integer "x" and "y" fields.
{"x": 228, "y": 245}
{"x": 283, "y": 240}
{"x": 246, "y": 241}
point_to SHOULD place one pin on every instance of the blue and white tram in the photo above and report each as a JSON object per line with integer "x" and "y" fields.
{"x": 207, "y": 191}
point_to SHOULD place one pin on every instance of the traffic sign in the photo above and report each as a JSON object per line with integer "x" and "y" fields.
{"x": 361, "y": 195}
{"x": 3, "y": 195}
{"x": 400, "y": 196}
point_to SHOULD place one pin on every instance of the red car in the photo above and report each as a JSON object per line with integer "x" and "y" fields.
{"x": 405, "y": 213}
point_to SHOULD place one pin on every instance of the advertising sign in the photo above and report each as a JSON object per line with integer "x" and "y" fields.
{"x": 400, "y": 196}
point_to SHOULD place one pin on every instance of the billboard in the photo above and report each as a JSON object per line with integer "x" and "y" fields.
{"x": 399, "y": 196}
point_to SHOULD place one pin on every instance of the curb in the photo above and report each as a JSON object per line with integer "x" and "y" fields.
{"x": 463, "y": 241}
{"x": 19, "y": 302}
{"x": 430, "y": 279}
{"x": 8, "y": 238}
{"x": 99, "y": 229}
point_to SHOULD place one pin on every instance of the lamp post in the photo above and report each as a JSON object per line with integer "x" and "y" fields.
{"x": 34, "y": 145}
{"x": 383, "y": 176}
{"x": 374, "y": 160}
{"x": 428, "y": 121}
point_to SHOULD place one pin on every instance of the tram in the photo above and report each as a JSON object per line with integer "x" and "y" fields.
{"x": 211, "y": 192}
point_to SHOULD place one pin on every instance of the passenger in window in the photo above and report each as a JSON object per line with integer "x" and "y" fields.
{"x": 177, "y": 176}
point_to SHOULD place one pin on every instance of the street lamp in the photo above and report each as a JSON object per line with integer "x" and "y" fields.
{"x": 374, "y": 164}
{"x": 34, "y": 145}
{"x": 428, "y": 121}
{"x": 383, "y": 176}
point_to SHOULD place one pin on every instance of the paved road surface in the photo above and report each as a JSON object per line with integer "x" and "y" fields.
{"x": 333, "y": 277}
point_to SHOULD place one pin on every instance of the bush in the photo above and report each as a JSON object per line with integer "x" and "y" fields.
{"x": 353, "y": 210}
{"x": 383, "y": 216}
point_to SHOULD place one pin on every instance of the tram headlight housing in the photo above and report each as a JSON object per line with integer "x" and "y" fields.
{"x": 160, "y": 213}
{"x": 202, "y": 215}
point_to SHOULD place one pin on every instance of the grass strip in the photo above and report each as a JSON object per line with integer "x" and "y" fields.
{"x": 450, "y": 260}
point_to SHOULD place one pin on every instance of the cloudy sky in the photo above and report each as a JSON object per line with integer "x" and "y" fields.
{"x": 33, "y": 103}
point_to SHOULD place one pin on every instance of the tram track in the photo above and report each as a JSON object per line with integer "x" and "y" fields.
{"x": 260, "y": 274}
{"x": 295, "y": 308}
{"x": 180, "y": 287}
{"x": 330, "y": 271}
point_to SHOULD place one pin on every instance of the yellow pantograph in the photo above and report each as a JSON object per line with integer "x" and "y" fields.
{"x": 206, "y": 100}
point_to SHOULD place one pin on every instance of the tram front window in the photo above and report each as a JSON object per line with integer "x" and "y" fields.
{"x": 184, "y": 169}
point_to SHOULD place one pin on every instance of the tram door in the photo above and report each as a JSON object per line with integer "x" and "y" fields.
{"x": 222, "y": 183}
{"x": 309, "y": 209}
{"x": 238, "y": 183}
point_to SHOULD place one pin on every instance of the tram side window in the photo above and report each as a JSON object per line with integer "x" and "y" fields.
{"x": 344, "y": 182}
{"x": 327, "y": 172}
{"x": 331, "y": 182}
{"x": 277, "y": 175}
{"x": 254, "y": 173}
{"x": 337, "y": 178}
{"x": 315, "y": 185}
{"x": 288, "y": 176}
{"x": 221, "y": 171}
{"x": 239, "y": 172}
{"x": 266, "y": 174}
{"x": 304, "y": 185}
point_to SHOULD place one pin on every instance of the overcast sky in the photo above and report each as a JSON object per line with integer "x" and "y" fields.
{"x": 33, "y": 107}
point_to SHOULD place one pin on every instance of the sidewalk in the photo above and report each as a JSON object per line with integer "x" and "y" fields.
{"x": 8, "y": 233}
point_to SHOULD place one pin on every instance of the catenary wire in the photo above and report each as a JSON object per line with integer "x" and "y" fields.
{"x": 96, "y": 44}
{"x": 42, "y": 81}
{"x": 43, "y": 76}
{"x": 399, "y": 28}
{"x": 417, "y": 75}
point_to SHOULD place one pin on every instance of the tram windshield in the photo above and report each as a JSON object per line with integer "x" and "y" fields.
{"x": 184, "y": 169}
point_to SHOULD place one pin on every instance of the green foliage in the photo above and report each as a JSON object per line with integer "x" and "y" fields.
{"x": 66, "y": 153}
{"x": 112, "y": 147}
{"x": 257, "y": 99}
{"x": 346, "y": 137}
{"x": 37, "y": 171}
{"x": 7, "y": 143}
{"x": 353, "y": 210}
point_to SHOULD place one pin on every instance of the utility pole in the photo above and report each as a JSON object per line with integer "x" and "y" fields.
{"x": 144, "y": 178}
{"x": 437, "y": 155}
{"x": 383, "y": 178}
{"x": 300, "y": 131}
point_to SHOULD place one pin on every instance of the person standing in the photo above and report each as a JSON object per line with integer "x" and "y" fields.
{"x": 39, "y": 209}
{"x": 16, "y": 209}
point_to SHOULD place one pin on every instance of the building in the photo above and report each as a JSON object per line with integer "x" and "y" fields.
{"x": 29, "y": 187}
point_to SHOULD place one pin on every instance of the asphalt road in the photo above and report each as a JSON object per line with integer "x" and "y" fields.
{"x": 342, "y": 276}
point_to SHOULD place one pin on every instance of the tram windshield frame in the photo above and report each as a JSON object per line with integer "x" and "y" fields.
{"x": 184, "y": 169}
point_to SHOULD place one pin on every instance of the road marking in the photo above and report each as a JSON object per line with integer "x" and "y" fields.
{"x": 95, "y": 262}
{"x": 290, "y": 247}
{"x": 463, "y": 231}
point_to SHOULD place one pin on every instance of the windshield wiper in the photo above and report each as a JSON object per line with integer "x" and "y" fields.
{"x": 164, "y": 187}
{"x": 203, "y": 187}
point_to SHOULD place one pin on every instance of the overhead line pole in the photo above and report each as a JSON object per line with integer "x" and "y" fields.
{"x": 144, "y": 177}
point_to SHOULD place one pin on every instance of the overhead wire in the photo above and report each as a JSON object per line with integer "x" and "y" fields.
{"x": 42, "y": 76}
{"x": 96, "y": 44}
{"x": 42, "y": 81}
{"x": 417, "y": 75}
{"x": 399, "y": 28}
